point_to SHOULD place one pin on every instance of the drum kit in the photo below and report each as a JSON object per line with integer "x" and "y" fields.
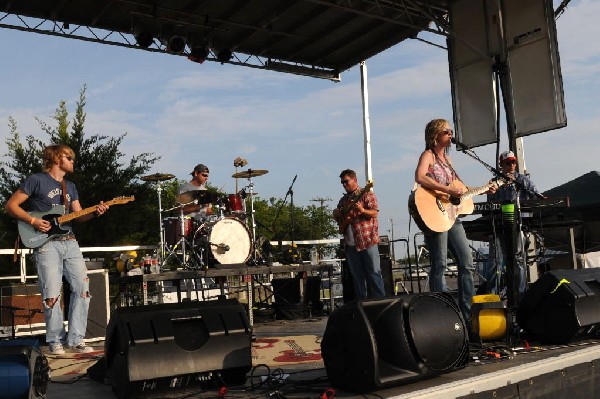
{"x": 203, "y": 241}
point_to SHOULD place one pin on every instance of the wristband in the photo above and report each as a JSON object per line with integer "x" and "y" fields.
{"x": 32, "y": 221}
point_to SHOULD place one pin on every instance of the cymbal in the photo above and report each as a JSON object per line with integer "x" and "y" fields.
{"x": 203, "y": 197}
{"x": 250, "y": 173}
{"x": 158, "y": 177}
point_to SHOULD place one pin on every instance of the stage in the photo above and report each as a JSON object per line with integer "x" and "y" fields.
{"x": 286, "y": 364}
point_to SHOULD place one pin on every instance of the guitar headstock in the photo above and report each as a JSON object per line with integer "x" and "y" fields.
{"x": 121, "y": 200}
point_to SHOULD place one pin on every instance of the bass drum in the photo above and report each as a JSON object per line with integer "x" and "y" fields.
{"x": 228, "y": 240}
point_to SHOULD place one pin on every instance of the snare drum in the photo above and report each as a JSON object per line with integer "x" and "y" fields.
{"x": 234, "y": 205}
{"x": 173, "y": 229}
{"x": 228, "y": 240}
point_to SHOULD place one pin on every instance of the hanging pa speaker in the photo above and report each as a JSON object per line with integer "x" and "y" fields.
{"x": 177, "y": 345}
{"x": 562, "y": 305}
{"x": 377, "y": 343}
{"x": 24, "y": 370}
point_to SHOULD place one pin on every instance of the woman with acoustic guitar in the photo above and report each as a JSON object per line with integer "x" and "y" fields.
{"x": 435, "y": 174}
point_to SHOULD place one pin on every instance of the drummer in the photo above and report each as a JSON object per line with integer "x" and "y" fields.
{"x": 198, "y": 182}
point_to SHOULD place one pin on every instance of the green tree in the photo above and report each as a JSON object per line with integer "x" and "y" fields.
{"x": 101, "y": 173}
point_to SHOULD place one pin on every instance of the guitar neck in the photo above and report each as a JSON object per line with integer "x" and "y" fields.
{"x": 83, "y": 212}
{"x": 476, "y": 190}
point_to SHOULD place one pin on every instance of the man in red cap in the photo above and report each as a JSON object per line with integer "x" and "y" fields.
{"x": 523, "y": 187}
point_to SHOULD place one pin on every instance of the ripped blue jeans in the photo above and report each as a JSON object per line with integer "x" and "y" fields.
{"x": 54, "y": 260}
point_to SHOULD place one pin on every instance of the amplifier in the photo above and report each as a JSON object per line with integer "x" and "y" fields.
{"x": 25, "y": 301}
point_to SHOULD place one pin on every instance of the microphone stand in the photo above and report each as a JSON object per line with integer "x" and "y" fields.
{"x": 290, "y": 192}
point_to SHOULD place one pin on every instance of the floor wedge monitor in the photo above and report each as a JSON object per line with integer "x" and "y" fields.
{"x": 177, "y": 345}
{"x": 377, "y": 343}
{"x": 562, "y": 305}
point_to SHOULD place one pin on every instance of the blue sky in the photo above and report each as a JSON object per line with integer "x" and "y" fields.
{"x": 290, "y": 125}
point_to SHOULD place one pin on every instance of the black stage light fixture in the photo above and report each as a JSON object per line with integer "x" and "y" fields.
{"x": 224, "y": 55}
{"x": 199, "y": 54}
{"x": 144, "y": 39}
{"x": 175, "y": 44}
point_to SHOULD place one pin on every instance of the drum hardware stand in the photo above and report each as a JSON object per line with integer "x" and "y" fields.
{"x": 182, "y": 239}
{"x": 251, "y": 218}
{"x": 158, "y": 178}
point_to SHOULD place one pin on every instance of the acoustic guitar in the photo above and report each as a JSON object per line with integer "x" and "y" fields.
{"x": 33, "y": 238}
{"x": 346, "y": 211}
{"x": 436, "y": 211}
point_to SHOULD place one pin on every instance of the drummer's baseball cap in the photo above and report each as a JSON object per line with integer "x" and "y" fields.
{"x": 507, "y": 155}
{"x": 200, "y": 168}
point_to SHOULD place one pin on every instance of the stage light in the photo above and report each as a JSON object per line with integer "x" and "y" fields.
{"x": 144, "y": 39}
{"x": 224, "y": 55}
{"x": 175, "y": 44}
{"x": 199, "y": 54}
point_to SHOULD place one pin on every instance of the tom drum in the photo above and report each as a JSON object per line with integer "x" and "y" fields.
{"x": 174, "y": 230}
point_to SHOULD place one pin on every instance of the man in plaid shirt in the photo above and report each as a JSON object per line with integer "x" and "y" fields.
{"x": 356, "y": 213}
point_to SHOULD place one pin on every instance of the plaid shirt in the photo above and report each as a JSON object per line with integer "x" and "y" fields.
{"x": 364, "y": 228}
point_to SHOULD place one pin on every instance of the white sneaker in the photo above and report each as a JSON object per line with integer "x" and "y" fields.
{"x": 81, "y": 348}
{"x": 56, "y": 348}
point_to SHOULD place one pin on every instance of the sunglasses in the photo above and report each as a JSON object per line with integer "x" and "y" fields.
{"x": 69, "y": 158}
{"x": 204, "y": 174}
{"x": 449, "y": 132}
{"x": 344, "y": 182}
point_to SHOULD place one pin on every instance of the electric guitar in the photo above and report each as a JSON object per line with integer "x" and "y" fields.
{"x": 33, "y": 238}
{"x": 436, "y": 211}
{"x": 346, "y": 211}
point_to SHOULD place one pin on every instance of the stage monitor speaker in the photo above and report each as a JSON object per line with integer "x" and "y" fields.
{"x": 24, "y": 370}
{"x": 378, "y": 343}
{"x": 562, "y": 305}
{"x": 171, "y": 346}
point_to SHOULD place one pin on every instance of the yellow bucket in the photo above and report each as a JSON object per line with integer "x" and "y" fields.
{"x": 489, "y": 317}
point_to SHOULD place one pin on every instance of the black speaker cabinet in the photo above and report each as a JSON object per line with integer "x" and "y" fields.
{"x": 177, "y": 345}
{"x": 562, "y": 305}
{"x": 377, "y": 343}
{"x": 387, "y": 274}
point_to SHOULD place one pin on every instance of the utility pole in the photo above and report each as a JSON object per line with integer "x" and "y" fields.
{"x": 392, "y": 242}
{"x": 321, "y": 200}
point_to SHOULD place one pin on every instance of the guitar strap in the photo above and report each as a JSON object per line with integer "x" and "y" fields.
{"x": 64, "y": 194}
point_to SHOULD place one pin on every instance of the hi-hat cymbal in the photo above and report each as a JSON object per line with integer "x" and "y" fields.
{"x": 250, "y": 173}
{"x": 158, "y": 177}
{"x": 203, "y": 197}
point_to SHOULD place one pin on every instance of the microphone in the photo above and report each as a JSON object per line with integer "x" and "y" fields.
{"x": 224, "y": 247}
{"x": 459, "y": 145}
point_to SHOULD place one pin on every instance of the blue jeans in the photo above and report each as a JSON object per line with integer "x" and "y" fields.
{"x": 54, "y": 260}
{"x": 497, "y": 266}
{"x": 438, "y": 244}
{"x": 366, "y": 272}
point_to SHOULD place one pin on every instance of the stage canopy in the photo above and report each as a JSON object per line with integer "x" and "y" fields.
{"x": 319, "y": 38}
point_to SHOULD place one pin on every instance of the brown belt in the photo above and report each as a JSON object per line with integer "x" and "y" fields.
{"x": 65, "y": 237}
